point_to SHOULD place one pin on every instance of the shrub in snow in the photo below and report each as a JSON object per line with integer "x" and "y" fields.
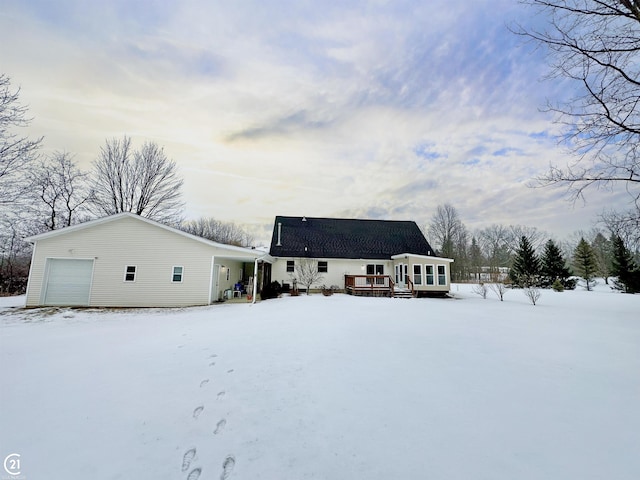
{"x": 271, "y": 291}
{"x": 327, "y": 291}
{"x": 532, "y": 293}
{"x": 557, "y": 285}
{"x": 499, "y": 289}
{"x": 480, "y": 289}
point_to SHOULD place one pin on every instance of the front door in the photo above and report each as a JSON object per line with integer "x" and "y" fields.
{"x": 399, "y": 275}
{"x": 402, "y": 271}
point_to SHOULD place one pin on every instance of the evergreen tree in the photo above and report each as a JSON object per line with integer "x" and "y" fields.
{"x": 553, "y": 267}
{"x": 585, "y": 263}
{"x": 625, "y": 268}
{"x": 525, "y": 271}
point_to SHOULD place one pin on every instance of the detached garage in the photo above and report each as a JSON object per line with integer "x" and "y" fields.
{"x": 125, "y": 260}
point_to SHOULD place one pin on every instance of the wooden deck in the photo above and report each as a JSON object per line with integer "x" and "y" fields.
{"x": 376, "y": 286}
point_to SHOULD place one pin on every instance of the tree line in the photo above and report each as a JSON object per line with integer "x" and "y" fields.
{"x": 528, "y": 257}
{"x": 47, "y": 191}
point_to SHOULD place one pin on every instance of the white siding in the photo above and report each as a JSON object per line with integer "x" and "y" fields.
{"x": 337, "y": 269}
{"x": 129, "y": 241}
{"x": 412, "y": 260}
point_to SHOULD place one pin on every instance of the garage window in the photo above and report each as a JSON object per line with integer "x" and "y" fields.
{"x": 130, "y": 273}
{"x": 177, "y": 274}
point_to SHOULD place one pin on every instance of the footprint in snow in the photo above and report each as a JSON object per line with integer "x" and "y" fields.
{"x": 227, "y": 467}
{"x": 212, "y": 364}
{"x": 187, "y": 458}
{"x": 230, "y": 371}
{"x": 204, "y": 382}
{"x": 219, "y": 426}
{"x": 221, "y": 395}
{"x": 194, "y": 474}
{"x": 198, "y": 411}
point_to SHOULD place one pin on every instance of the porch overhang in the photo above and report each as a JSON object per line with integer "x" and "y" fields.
{"x": 401, "y": 256}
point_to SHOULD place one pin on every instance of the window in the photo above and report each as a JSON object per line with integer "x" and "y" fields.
{"x": 375, "y": 269}
{"x": 323, "y": 267}
{"x": 442, "y": 276}
{"x": 291, "y": 266}
{"x": 428, "y": 270}
{"x": 177, "y": 274}
{"x": 130, "y": 273}
{"x": 417, "y": 274}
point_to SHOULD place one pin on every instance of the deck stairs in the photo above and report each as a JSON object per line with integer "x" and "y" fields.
{"x": 402, "y": 293}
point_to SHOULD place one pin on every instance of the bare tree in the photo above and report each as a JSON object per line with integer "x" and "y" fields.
{"x": 499, "y": 289}
{"x": 476, "y": 259}
{"x": 445, "y": 228}
{"x": 15, "y": 253}
{"x": 595, "y": 44}
{"x": 625, "y": 225}
{"x": 144, "y": 182}
{"x": 217, "y": 231}
{"x": 16, "y": 151}
{"x": 495, "y": 245}
{"x": 533, "y": 294}
{"x": 63, "y": 190}
{"x": 306, "y": 272}
{"x": 480, "y": 289}
{"x": 450, "y": 236}
{"x": 536, "y": 237}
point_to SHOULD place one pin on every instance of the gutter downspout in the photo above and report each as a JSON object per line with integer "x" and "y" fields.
{"x": 255, "y": 281}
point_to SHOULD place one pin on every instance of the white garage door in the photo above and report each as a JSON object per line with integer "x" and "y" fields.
{"x": 68, "y": 282}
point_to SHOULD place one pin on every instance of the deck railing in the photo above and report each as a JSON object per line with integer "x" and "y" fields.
{"x": 373, "y": 284}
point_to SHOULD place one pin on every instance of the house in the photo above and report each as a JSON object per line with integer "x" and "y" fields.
{"x": 125, "y": 260}
{"x": 372, "y": 257}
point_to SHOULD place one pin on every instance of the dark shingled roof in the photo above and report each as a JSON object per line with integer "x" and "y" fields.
{"x": 346, "y": 238}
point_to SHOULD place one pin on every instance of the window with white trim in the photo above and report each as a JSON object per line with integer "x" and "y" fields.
{"x": 130, "y": 273}
{"x": 291, "y": 266}
{"x": 323, "y": 267}
{"x": 417, "y": 274}
{"x": 176, "y": 275}
{"x": 442, "y": 275}
{"x": 429, "y": 275}
{"x": 375, "y": 269}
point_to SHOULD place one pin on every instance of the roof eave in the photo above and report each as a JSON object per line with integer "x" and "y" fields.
{"x": 403, "y": 255}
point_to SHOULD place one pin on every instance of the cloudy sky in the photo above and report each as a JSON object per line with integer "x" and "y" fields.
{"x": 378, "y": 109}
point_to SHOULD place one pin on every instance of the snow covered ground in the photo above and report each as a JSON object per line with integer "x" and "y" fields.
{"x": 327, "y": 388}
